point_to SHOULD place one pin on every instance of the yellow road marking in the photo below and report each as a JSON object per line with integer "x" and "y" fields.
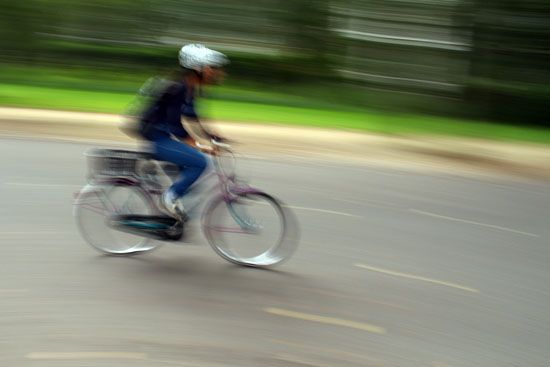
{"x": 326, "y": 320}
{"x": 86, "y": 355}
{"x": 416, "y": 277}
{"x": 473, "y": 222}
{"x": 327, "y": 351}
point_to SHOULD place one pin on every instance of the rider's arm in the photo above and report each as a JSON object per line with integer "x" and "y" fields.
{"x": 190, "y": 115}
{"x": 201, "y": 130}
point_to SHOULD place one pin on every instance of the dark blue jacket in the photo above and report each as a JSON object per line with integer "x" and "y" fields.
{"x": 164, "y": 117}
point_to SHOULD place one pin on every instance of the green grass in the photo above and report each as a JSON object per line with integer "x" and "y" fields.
{"x": 63, "y": 99}
{"x": 395, "y": 124}
{"x": 232, "y": 110}
{"x": 119, "y": 81}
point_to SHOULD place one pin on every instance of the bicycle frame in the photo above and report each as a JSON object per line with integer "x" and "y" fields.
{"x": 225, "y": 184}
{"x": 145, "y": 177}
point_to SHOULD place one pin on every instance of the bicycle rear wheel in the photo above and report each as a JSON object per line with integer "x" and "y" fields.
{"x": 251, "y": 229}
{"x": 94, "y": 207}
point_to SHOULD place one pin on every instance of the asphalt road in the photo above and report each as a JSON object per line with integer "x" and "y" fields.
{"x": 395, "y": 268}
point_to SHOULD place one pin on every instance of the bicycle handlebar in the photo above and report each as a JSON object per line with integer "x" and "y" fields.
{"x": 214, "y": 143}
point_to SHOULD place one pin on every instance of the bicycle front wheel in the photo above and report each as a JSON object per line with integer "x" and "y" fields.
{"x": 95, "y": 205}
{"x": 250, "y": 229}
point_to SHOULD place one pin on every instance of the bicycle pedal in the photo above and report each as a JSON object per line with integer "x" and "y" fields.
{"x": 152, "y": 226}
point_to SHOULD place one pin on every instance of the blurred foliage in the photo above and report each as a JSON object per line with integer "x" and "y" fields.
{"x": 509, "y": 72}
{"x": 470, "y": 58}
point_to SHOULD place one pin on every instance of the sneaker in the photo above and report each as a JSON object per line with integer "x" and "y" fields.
{"x": 173, "y": 205}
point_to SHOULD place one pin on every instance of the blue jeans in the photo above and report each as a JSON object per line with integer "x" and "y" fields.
{"x": 191, "y": 162}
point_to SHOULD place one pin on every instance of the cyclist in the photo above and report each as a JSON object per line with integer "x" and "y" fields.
{"x": 162, "y": 126}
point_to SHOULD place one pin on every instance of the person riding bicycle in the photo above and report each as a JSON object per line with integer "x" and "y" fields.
{"x": 163, "y": 127}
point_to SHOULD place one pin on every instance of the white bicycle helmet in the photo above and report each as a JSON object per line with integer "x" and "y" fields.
{"x": 196, "y": 56}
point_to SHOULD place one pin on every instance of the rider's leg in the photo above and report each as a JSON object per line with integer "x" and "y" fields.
{"x": 191, "y": 162}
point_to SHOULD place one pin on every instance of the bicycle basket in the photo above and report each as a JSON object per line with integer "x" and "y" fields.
{"x": 114, "y": 162}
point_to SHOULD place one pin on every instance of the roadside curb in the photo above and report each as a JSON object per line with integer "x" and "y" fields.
{"x": 445, "y": 153}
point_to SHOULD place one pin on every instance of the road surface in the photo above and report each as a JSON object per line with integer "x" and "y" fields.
{"x": 395, "y": 268}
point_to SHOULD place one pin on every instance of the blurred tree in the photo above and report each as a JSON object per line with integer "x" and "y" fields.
{"x": 498, "y": 51}
{"x": 120, "y": 20}
{"x": 307, "y": 29}
{"x": 20, "y": 22}
{"x": 510, "y": 53}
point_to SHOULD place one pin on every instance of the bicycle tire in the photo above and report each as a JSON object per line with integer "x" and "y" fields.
{"x": 90, "y": 200}
{"x": 277, "y": 253}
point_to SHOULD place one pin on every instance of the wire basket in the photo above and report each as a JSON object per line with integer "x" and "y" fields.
{"x": 114, "y": 162}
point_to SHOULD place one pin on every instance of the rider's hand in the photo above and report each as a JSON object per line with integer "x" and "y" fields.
{"x": 189, "y": 141}
{"x": 207, "y": 149}
{"x": 214, "y": 151}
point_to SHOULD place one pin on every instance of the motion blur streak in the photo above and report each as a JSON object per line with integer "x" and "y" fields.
{"x": 465, "y": 58}
{"x": 407, "y": 140}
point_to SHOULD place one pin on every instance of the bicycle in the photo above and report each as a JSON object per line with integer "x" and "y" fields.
{"x": 123, "y": 196}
